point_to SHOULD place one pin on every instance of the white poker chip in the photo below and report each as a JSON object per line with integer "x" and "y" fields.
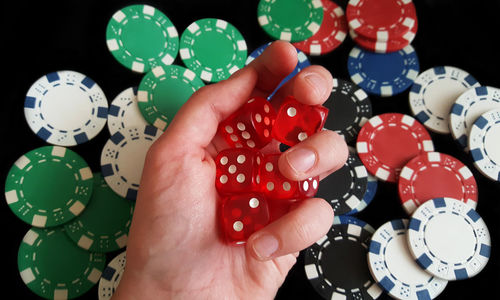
{"x": 123, "y": 157}
{"x": 111, "y": 276}
{"x": 434, "y": 92}
{"x": 468, "y": 107}
{"x": 124, "y": 111}
{"x": 449, "y": 239}
{"x": 393, "y": 267}
{"x": 65, "y": 108}
{"x": 484, "y": 144}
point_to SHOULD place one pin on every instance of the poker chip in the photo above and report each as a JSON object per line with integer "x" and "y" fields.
{"x": 331, "y": 33}
{"x": 343, "y": 219}
{"x": 163, "y": 91}
{"x": 141, "y": 37}
{"x": 53, "y": 267}
{"x": 65, "y": 108}
{"x": 418, "y": 177}
{"x": 484, "y": 145}
{"x": 275, "y": 18}
{"x": 104, "y": 224}
{"x": 377, "y": 149}
{"x": 336, "y": 265}
{"x": 48, "y": 186}
{"x": 389, "y": 46}
{"x": 393, "y": 267}
{"x": 381, "y": 20}
{"x": 344, "y": 189}
{"x": 468, "y": 107}
{"x": 349, "y": 107}
{"x": 123, "y": 156}
{"x": 383, "y": 74}
{"x": 111, "y": 276}
{"x": 371, "y": 190}
{"x": 213, "y": 49}
{"x": 434, "y": 92}
{"x": 449, "y": 239}
{"x": 124, "y": 111}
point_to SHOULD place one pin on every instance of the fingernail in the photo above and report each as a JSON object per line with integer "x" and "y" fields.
{"x": 265, "y": 246}
{"x": 317, "y": 83}
{"x": 301, "y": 160}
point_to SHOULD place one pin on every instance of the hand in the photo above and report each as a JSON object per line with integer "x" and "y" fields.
{"x": 175, "y": 247}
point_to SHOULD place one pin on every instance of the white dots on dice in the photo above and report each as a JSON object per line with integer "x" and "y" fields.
{"x": 305, "y": 185}
{"x": 234, "y": 138}
{"x": 257, "y": 179}
{"x": 245, "y": 135}
{"x": 250, "y": 143}
{"x": 302, "y": 136}
{"x": 238, "y": 226}
{"x": 241, "y": 158}
{"x": 240, "y": 178}
{"x": 238, "y": 145}
{"x": 291, "y": 112}
{"x": 266, "y": 133}
{"x": 223, "y": 179}
{"x": 315, "y": 184}
{"x": 232, "y": 169}
{"x": 287, "y": 186}
{"x": 229, "y": 129}
{"x": 254, "y": 203}
{"x": 267, "y": 121}
{"x": 269, "y": 167}
{"x": 270, "y": 186}
{"x": 266, "y": 108}
{"x": 224, "y": 160}
{"x": 258, "y": 160}
{"x": 240, "y": 126}
{"x": 258, "y": 118}
{"x": 251, "y": 100}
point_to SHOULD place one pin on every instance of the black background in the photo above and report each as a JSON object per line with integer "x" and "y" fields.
{"x": 45, "y": 36}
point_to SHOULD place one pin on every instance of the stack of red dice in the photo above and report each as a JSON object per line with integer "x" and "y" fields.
{"x": 247, "y": 180}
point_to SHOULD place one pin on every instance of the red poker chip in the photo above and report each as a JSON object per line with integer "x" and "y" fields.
{"x": 388, "y": 141}
{"x": 381, "y": 20}
{"x": 392, "y": 45}
{"x": 434, "y": 175}
{"x": 331, "y": 33}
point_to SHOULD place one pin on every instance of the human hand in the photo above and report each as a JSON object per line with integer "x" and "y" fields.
{"x": 175, "y": 247}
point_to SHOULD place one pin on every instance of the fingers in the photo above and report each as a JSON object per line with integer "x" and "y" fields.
{"x": 321, "y": 153}
{"x": 293, "y": 232}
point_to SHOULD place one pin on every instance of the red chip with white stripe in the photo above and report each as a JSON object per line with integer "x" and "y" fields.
{"x": 435, "y": 175}
{"x": 330, "y": 35}
{"x": 388, "y": 141}
{"x": 381, "y": 20}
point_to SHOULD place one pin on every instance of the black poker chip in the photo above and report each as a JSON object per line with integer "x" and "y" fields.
{"x": 345, "y": 188}
{"x": 350, "y": 107}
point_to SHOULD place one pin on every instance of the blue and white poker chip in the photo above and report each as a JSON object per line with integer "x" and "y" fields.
{"x": 383, "y": 74}
{"x": 393, "y": 267}
{"x": 484, "y": 144}
{"x": 124, "y": 111}
{"x": 123, "y": 157}
{"x": 344, "y": 219}
{"x": 111, "y": 276}
{"x": 449, "y": 239}
{"x": 302, "y": 62}
{"x": 65, "y": 108}
{"x": 468, "y": 107}
{"x": 434, "y": 92}
{"x": 371, "y": 191}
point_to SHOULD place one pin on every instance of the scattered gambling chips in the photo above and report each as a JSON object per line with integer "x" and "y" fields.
{"x": 384, "y": 46}
{"x": 449, "y": 239}
{"x": 383, "y": 74}
{"x": 83, "y": 102}
{"x": 371, "y": 190}
{"x": 484, "y": 144}
{"x": 163, "y": 91}
{"x": 213, "y": 49}
{"x": 418, "y": 177}
{"x": 53, "y": 267}
{"x": 123, "y": 156}
{"x": 393, "y": 267}
{"x": 468, "y": 107}
{"x": 104, "y": 224}
{"x": 275, "y": 18}
{"x": 336, "y": 265}
{"x": 350, "y": 184}
{"x": 48, "y": 186}
{"x": 349, "y": 107}
{"x": 124, "y": 111}
{"x": 434, "y": 92}
{"x": 331, "y": 33}
{"x": 111, "y": 276}
{"x": 376, "y": 148}
{"x": 141, "y": 37}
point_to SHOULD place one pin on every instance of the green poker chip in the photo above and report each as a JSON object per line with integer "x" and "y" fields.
{"x": 48, "y": 186}
{"x": 213, "y": 48}
{"x": 163, "y": 91}
{"x": 141, "y": 37}
{"x": 53, "y": 267}
{"x": 103, "y": 226}
{"x": 290, "y": 20}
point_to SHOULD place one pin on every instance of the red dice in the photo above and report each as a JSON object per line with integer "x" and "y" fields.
{"x": 296, "y": 121}
{"x": 276, "y": 186}
{"x": 242, "y": 215}
{"x": 250, "y": 126}
{"x": 237, "y": 171}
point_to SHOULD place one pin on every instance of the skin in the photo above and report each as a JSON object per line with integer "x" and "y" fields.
{"x": 176, "y": 248}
